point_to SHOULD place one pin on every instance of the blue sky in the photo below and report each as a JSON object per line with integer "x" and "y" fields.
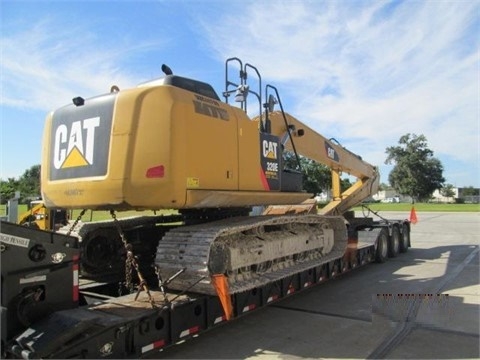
{"x": 363, "y": 72}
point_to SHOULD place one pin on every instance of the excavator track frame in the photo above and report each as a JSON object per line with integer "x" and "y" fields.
{"x": 250, "y": 251}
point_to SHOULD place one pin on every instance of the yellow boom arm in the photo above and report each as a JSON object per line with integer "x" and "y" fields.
{"x": 314, "y": 146}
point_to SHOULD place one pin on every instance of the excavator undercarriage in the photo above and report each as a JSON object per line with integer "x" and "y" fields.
{"x": 250, "y": 251}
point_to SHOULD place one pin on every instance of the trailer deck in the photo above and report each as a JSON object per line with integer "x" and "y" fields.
{"x": 128, "y": 326}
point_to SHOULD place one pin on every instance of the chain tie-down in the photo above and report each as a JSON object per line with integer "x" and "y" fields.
{"x": 130, "y": 264}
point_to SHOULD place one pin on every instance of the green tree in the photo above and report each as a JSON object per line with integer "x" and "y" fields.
{"x": 316, "y": 177}
{"x": 345, "y": 183}
{"x": 447, "y": 191}
{"x": 29, "y": 182}
{"x": 383, "y": 187}
{"x": 416, "y": 172}
{"x": 7, "y": 189}
{"x": 470, "y": 191}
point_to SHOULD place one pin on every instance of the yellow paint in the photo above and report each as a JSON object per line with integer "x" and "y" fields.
{"x": 74, "y": 159}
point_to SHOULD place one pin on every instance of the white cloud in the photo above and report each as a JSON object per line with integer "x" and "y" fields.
{"x": 368, "y": 72}
{"x": 362, "y": 72}
{"x": 44, "y": 66}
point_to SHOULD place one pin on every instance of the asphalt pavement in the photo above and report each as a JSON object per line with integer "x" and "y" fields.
{"x": 424, "y": 304}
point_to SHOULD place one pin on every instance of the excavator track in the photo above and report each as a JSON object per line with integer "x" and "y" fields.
{"x": 250, "y": 251}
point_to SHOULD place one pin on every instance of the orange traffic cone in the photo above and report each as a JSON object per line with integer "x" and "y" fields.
{"x": 220, "y": 283}
{"x": 413, "y": 216}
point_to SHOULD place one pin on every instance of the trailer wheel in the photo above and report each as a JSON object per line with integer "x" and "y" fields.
{"x": 405, "y": 239}
{"x": 394, "y": 242}
{"x": 381, "y": 253}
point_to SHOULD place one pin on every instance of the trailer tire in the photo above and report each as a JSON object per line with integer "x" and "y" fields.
{"x": 381, "y": 252}
{"x": 405, "y": 239}
{"x": 394, "y": 242}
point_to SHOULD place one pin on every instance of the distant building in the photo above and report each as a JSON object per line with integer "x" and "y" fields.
{"x": 392, "y": 196}
{"x": 458, "y": 196}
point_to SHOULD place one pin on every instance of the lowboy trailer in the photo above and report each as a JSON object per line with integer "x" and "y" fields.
{"x": 49, "y": 311}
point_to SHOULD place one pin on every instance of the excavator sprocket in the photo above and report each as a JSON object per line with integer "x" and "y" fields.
{"x": 103, "y": 253}
{"x": 250, "y": 251}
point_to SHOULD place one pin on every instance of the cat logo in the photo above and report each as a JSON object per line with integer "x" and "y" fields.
{"x": 74, "y": 146}
{"x": 331, "y": 153}
{"x": 80, "y": 139}
{"x": 269, "y": 149}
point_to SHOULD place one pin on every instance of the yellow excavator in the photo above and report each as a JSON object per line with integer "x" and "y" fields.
{"x": 130, "y": 286}
{"x": 39, "y": 217}
{"x": 171, "y": 143}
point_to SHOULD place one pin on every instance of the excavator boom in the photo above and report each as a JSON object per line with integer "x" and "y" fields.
{"x": 313, "y": 145}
